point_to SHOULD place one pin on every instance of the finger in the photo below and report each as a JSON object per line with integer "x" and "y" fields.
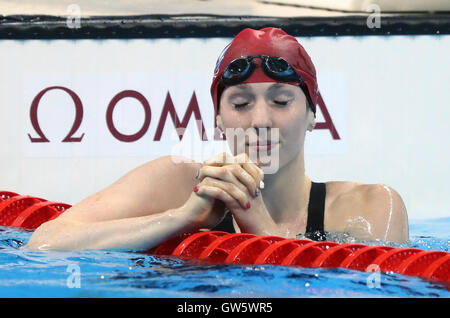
{"x": 224, "y": 159}
{"x": 254, "y": 171}
{"x": 219, "y": 160}
{"x": 217, "y": 191}
{"x": 234, "y": 174}
{"x": 250, "y": 167}
{"x": 245, "y": 178}
{"x": 238, "y": 194}
{"x": 221, "y": 173}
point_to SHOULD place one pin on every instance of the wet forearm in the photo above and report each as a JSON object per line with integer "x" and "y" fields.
{"x": 138, "y": 233}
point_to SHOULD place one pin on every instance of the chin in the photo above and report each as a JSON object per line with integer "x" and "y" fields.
{"x": 265, "y": 158}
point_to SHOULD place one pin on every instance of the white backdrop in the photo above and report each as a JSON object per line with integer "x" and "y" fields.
{"x": 388, "y": 98}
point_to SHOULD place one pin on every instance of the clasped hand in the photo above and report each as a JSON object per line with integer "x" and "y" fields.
{"x": 236, "y": 181}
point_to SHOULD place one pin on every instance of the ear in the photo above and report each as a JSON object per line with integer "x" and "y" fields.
{"x": 311, "y": 120}
{"x": 219, "y": 122}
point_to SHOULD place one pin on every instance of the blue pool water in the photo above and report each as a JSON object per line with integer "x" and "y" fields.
{"x": 126, "y": 274}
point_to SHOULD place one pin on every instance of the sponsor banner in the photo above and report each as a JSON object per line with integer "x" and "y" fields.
{"x": 139, "y": 115}
{"x": 66, "y": 105}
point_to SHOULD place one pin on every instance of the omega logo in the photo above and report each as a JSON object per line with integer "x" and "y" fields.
{"x": 168, "y": 109}
{"x": 76, "y": 123}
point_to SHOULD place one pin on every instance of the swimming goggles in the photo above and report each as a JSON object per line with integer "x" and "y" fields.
{"x": 242, "y": 68}
{"x": 274, "y": 67}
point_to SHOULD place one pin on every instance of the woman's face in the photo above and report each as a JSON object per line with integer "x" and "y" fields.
{"x": 265, "y": 107}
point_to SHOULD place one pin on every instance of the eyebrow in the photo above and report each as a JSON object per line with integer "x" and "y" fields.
{"x": 275, "y": 86}
{"x": 278, "y": 88}
{"x": 243, "y": 87}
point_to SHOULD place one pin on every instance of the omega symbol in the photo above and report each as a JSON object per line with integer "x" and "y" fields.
{"x": 76, "y": 123}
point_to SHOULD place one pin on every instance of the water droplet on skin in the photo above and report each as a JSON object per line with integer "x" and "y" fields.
{"x": 43, "y": 247}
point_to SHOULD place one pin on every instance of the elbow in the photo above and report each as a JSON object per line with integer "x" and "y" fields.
{"x": 35, "y": 243}
{"x": 41, "y": 239}
{"x": 50, "y": 235}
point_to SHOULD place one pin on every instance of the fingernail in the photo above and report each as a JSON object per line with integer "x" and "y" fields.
{"x": 248, "y": 205}
{"x": 195, "y": 189}
{"x": 256, "y": 192}
{"x": 261, "y": 184}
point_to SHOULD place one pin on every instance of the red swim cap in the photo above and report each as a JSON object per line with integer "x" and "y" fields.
{"x": 271, "y": 42}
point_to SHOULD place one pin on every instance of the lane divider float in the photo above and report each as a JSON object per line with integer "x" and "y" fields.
{"x": 216, "y": 247}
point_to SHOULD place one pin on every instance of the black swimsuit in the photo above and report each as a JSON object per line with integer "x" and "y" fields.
{"x": 316, "y": 210}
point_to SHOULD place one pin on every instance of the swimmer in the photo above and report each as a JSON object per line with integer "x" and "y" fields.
{"x": 265, "y": 83}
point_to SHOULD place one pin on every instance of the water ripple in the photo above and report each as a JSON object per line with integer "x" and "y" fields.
{"x": 126, "y": 274}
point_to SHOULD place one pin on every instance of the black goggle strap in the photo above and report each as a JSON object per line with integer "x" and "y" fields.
{"x": 304, "y": 88}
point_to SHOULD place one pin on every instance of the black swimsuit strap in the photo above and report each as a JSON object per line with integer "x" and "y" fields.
{"x": 316, "y": 212}
{"x": 316, "y": 209}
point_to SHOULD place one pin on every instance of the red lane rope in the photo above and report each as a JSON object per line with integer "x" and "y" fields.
{"x": 12, "y": 207}
{"x": 334, "y": 256}
{"x": 27, "y": 212}
{"x": 36, "y": 214}
{"x": 4, "y": 195}
{"x": 216, "y": 247}
{"x": 218, "y": 251}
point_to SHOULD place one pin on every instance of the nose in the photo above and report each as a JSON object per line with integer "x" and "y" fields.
{"x": 261, "y": 117}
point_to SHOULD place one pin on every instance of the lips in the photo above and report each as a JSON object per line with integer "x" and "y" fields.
{"x": 263, "y": 144}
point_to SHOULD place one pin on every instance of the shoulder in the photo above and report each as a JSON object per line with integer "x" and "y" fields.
{"x": 171, "y": 173}
{"x": 160, "y": 184}
{"x": 170, "y": 165}
{"x": 156, "y": 186}
{"x": 372, "y": 211}
{"x": 346, "y": 192}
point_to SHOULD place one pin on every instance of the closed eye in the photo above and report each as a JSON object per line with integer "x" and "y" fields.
{"x": 240, "y": 105}
{"x": 281, "y": 103}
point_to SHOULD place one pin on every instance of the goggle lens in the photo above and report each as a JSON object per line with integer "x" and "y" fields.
{"x": 277, "y": 65}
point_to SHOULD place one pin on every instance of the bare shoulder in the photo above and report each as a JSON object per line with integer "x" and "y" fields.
{"x": 369, "y": 211}
{"x": 168, "y": 169}
{"x": 166, "y": 180}
{"x": 156, "y": 186}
